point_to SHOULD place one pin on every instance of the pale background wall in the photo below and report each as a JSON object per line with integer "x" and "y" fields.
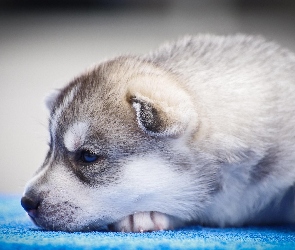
{"x": 42, "y": 47}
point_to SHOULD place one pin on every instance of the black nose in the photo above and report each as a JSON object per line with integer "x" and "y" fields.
{"x": 29, "y": 205}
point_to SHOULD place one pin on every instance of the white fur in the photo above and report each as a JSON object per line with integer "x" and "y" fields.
{"x": 150, "y": 185}
{"x": 66, "y": 102}
{"x": 230, "y": 102}
{"x": 75, "y": 136}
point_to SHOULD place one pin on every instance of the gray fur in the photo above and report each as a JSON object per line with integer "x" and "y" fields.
{"x": 200, "y": 131}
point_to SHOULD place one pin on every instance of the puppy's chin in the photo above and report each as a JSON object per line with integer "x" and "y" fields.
{"x": 58, "y": 217}
{"x": 145, "y": 222}
{"x": 47, "y": 225}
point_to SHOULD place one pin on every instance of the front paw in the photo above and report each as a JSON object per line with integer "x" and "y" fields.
{"x": 144, "y": 222}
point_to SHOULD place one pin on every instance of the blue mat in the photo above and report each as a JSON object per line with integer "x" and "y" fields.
{"x": 17, "y": 232}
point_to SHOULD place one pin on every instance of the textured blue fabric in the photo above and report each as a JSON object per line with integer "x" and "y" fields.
{"x": 17, "y": 232}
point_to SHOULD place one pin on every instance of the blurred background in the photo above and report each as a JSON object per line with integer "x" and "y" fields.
{"x": 45, "y": 43}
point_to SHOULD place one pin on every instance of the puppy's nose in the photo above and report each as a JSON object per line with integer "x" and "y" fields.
{"x": 30, "y": 206}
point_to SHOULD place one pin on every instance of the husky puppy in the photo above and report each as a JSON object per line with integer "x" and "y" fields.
{"x": 199, "y": 132}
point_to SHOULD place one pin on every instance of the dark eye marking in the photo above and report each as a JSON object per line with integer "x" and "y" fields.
{"x": 86, "y": 156}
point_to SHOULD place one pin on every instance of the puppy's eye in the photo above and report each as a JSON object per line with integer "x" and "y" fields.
{"x": 88, "y": 157}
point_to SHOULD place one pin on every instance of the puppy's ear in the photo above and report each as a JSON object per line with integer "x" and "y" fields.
{"x": 51, "y": 98}
{"x": 152, "y": 119}
{"x": 159, "y": 118}
{"x": 162, "y": 105}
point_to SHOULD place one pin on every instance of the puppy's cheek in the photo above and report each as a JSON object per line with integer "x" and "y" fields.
{"x": 149, "y": 184}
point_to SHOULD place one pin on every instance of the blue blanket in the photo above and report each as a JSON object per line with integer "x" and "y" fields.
{"x": 17, "y": 232}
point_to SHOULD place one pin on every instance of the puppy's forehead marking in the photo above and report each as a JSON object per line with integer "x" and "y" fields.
{"x": 75, "y": 136}
{"x": 64, "y": 104}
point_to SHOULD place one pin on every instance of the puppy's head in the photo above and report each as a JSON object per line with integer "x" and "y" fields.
{"x": 120, "y": 139}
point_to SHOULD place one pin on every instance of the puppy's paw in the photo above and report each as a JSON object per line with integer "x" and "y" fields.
{"x": 144, "y": 222}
